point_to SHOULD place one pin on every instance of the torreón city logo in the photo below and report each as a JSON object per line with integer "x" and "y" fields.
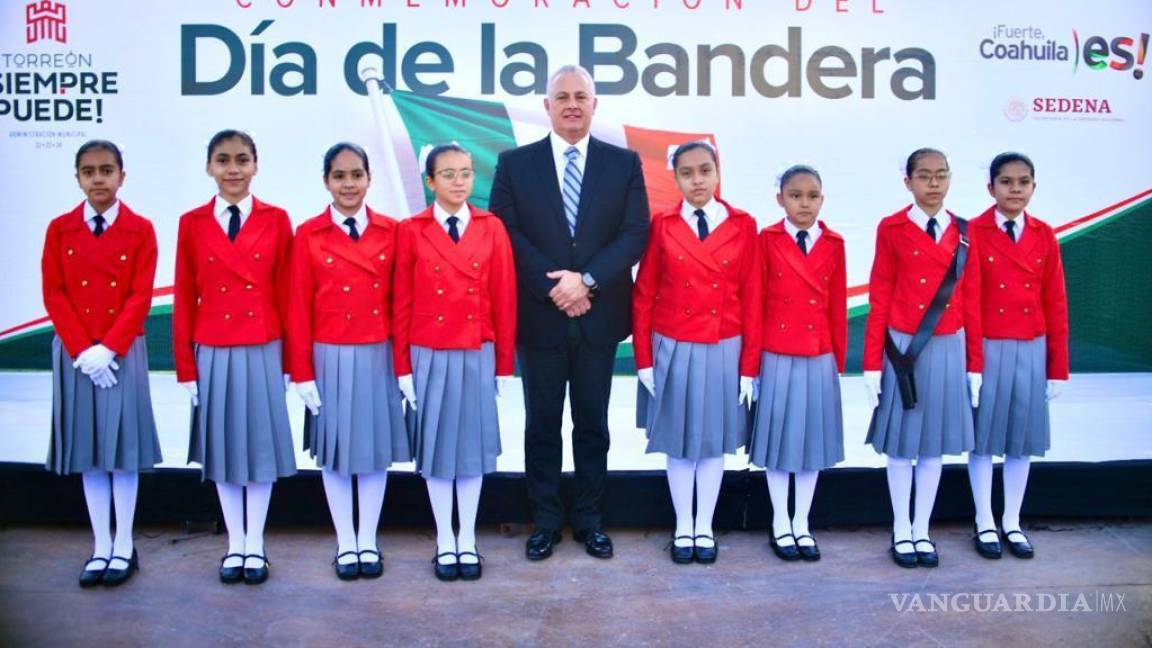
{"x": 1030, "y": 43}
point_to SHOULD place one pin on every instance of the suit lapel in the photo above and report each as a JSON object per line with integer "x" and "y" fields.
{"x": 337, "y": 242}
{"x": 454, "y": 253}
{"x": 799, "y": 261}
{"x": 546, "y": 167}
{"x": 689, "y": 241}
{"x": 218, "y": 244}
{"x": 939, "y": 252}
{"x": 593, "y": 169}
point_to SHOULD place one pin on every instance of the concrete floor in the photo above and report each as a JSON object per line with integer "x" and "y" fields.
{"x": 639, "y": 598}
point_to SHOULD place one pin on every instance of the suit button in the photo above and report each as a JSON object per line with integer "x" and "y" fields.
{"x": 124, "y": 257}
{"x": 1001, "y": 311}
{"x": 469, "y": 317}
{"x": 715, "y": 285}
{"x": 435, "y": 268}
{"x": 251, "y": 314}
{"x": 825, "y": 278}
{"x": 781, "y": 325}
{"x": 347, "y": 316}
{"x": 112, "y": 284}
{"x": 779, "y": 274}
{"x": 375, "y": 311}
{"x": 223, "y": 289}
{"x": 787, "y": 300}
{"x": 439, "y": 291}
{"x": 923, "y": 280}
{"x": 87, "y": 311}
{"x": 247, "y": 286}
{"x": 921, "y": 306}
{"x": 713, "y": 311}
{"x": 347, "y": 288}
{"x": 475, "y": 265}
{"x": 256, "y": 256}
{"x": 1026, "y": 311}
{"x": 812, "y": 301}
{"x": 915, "y": 252}
{"x": 687, "y": 284}
{"x": 328, "y": 260}
{"x": 810, "y": 327}
{"x": 471, "y": 291}
{"x": 724, "y": 261}
{"x": 376, "y": 284}
{"x": 687, "y": 311}
{"x": 383, "y": 257}
{"x": 680, "y": 258}
{"x": 71, "y": 251}
{"x": 227, "y": 316}
{"x": 1001, "y": 285}
{"x": 991, "y": 259}
{"x": 211, "y": 259}
{"x": 947, "y": 306}
{"x": 1039, "y": 261}
{"x": 439, "y": 318}
{"x": 1027, "y": 285}
{"x": 84, "y": 282}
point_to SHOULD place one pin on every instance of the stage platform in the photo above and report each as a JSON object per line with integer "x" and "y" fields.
{"x": 1100, "y": 463}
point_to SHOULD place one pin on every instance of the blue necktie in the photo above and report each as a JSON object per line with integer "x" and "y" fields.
{"x": 99, "y": 220}
{"x": 571, "y": 189}
{"x": 1010, "y": 230}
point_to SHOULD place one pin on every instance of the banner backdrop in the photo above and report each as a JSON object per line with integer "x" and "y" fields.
{"x": 848, "y": 86}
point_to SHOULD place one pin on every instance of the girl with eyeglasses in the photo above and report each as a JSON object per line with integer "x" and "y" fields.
{"x": 924, "y": 412}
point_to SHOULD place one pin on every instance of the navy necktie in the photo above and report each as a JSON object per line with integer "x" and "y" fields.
{"x": 351, "y": 224}
{"x": 233, "y": 222}
{"x": 802, "y": 240}
{"x": 932, "y": 227}
{"x": 701, "y": 224}
{"x": 1010, "y": 229}
{"x": 99, "y": 220}
{"x": 452, "y": 231}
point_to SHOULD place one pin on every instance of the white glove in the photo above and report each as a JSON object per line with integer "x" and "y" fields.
{"x": 1055, "y": 388}
{"x": 504, "y": 385}
{"x": 872, "y": 386}
{"x": 193, "y": 391}
{"x": 747, "y": 389}
{"x": 408, "y": 389}
{"x": 310, "y": 395}
{"x": 647, "y": 379}
{"x": 94, "y": 358}
{"x": 974, "y": 381}
{"x": 103, "y": 378}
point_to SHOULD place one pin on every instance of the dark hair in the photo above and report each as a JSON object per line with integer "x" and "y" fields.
{"x": 100, "y": 145}
{"x": 231, "y": 133}
{"x": 999, "y": 161}
{"x": 692, "y": 146}
{"x": 437, "y": 151}
{"x": 339, "y": 148}
{"x": 799, "y": 169}
{"x": 910, "y": 166}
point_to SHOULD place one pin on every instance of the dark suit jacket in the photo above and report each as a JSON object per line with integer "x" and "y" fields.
{"x": 611, "y": 234}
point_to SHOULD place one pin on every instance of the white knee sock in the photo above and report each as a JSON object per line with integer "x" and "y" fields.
{"x": 125, "y": 485}
{"x": 709, "y": 476}
{"x": 1015, "y": 482}
{"x": 232, "y": 506}
{"x": 98, "y": 496}
{"x": 440, "y": 496}
{"x": 370, "y": 489}
{"x": 258, "y": 496}
{"x": 980, "y": 478}
{"x": 778, "y": 493}
{"x": 805, "y": 490}
{"x": 900, "y": 492}
{"x": 467, "y": 502}
{"x": 927, "y": 482}
{"x": 338, "y": 491}
{"x": 681, "y": 478}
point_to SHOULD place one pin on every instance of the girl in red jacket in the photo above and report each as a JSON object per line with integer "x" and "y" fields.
{"x": 695, "y": 330}
{"x": 98, "y": 265}
{"x": 799, "y": 424}
{"x": 915, "y": 248}
{"x": 230, "y": 307}
{"x": 340, "y": 329}
{"x": 455, "y": 335}
{"x": 1025, "y": 322}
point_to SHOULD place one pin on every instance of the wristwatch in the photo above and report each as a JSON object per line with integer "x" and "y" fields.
{"x": 589, "y": 282}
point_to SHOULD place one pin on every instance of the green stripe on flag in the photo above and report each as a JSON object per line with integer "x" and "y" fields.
{"x": 481, "y": 127}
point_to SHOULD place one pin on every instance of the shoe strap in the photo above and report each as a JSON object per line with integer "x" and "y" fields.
{"x": 438, "y": 556}
{"x": 916, "y": 542}
{"x": 897, "y": 543}
{"x": 128, "y": 561}
{"x": 232, "y": 555}
{"x": 468, "y": 553}
{"x": 804, "y": 535}
{"x": 979, "y": 535}
{"x": 786, "y": 535}
{"x": 267, "y": 563}
{"x": 368, "y": 551}
{"x": 93, "y": 559}
{"x": 336, "y": 560}
{"x": 1008, "y": 535}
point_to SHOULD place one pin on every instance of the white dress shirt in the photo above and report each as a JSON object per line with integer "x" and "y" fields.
{"x": 813, "y": 232}
{"x": 109, "y": 215}
{"x": 714, "y": 214}
{"x": 920, "y": 217}
{"x": 441, "y": 215}
{"x": 361, "y": 218}
{"x": 559, "y": 146}
{"x": 220, "y": 208}
{"x": 1001, "y": 219}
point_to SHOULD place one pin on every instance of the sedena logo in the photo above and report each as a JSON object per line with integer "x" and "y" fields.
{"x": 46, "y": 20}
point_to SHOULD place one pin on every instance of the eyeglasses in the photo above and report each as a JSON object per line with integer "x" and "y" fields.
{"x": 452, "y": 174}
{"x": 940, "y": 176}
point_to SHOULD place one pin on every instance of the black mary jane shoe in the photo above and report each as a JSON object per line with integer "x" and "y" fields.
{"x": 705, "y": 555}
{"x": 446, "y": 572}
{"x": 346, "y": 571}
{"x": 990, "y": 550}
{"x": 681, "y": 555}
{"x": 93, "y": 577}
{"x": 114, "y": 576}
{"x": 1019, "y": 549}
{"x": 927, "y": 558}
{"x": 231, "y": 575}
{"x": 469, "y": 571}
{"x": 371, "y": 568}
{"x": 905, "y": 560}
{"x": 788, "y": 553}
{"x": 808, "y": 553}
{"x": 256, "y": 575}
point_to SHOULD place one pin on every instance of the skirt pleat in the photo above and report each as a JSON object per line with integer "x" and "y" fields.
{"x": 360, "y": 427}
{"x": 1012, "y": 419}
{"x": 102, "y": 429}
{"x": 696, "y": 412}
{"x": 455, "y": 430}
{"x": 240, "y": 431}
{"x": 942, "y": 422}
{"x": 799, "y": 422}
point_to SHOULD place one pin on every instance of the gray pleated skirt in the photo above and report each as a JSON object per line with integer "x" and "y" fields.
{"x": 799, "y": 424}
{"x": 455, "y": 430}
{"x": 240, "y": 431}
{"x": 1012, "y": 418}
{"x": 360, "y": 428}
{"x": 941, "y": 423}
{"x": 696, "y": 411}
{"x": 102, "y": 429}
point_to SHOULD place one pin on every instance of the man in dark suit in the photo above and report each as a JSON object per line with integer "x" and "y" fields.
{"x": 577, "y": 213}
